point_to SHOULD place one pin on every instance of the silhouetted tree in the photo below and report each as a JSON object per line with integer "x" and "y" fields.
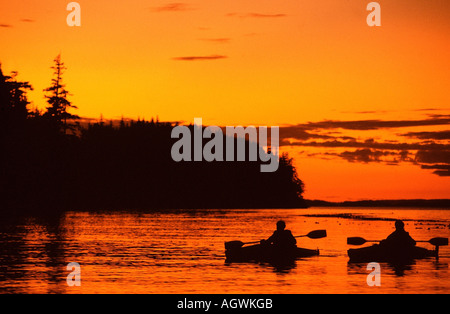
{"x": 124, "y": 165}
{"x": 57, "y": 112}
{"x": 13, "y": 99}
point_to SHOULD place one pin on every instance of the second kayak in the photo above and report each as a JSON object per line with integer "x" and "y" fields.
{"x": 377, "y": 253}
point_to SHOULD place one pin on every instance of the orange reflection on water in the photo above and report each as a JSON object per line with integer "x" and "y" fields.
{"x": 183, "y": 252}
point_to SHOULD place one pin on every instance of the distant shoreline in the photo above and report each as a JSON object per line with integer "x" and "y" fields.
{"x": 416, "y": 203}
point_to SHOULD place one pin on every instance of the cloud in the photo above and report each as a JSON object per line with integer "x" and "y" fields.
{"x": 442, "y": 173}
{"x": 366, "y": 112}
{"x": 299, "y": 133}
{"x": 434, "y": 156}
{"x": 6, "y": 25}
{"x": 427, "y": 149}
{"x": 27, "y": 20}
{"x": 365, "y": 155}
{"x": 199, "y": 58}
{"x": 442, "y": 170}
{"x": 172, "y": 7}
{"x": 216, "y": 40}
{"x": 428, "y": 155}
{"x": 428, "y": 109}
{"x": 437, "y": 135}
{"x": 376, "y": 124}
{"x": 438, "y": 116}
{"x": 259, "y": 15}
{"x": 369, "y": 144}
{"x": 256, "y": 15}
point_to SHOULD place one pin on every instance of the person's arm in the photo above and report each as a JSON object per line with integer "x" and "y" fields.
{"x": 410, "y": 239}
{"x": 271, "y": 238}
{"x": 293, "y": 239}
{"x": 389, "y": 239}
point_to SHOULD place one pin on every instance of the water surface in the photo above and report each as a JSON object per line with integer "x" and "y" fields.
{"x": 183, "y": 252}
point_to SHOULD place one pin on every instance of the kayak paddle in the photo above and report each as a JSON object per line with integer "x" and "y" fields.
{"x": 360, "y": 241}
{"x": 316, "y": 234}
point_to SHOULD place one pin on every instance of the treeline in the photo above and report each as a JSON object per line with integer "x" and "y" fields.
{"x": 49, "y": 162}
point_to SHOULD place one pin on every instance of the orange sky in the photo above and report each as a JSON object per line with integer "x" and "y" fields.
{"x": 262, "y": 62}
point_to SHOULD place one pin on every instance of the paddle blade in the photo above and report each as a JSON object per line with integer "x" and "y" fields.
{"x": 233, "y": 245}
{"x": 356, "y": 241}
{"x": 439, "y": 241}
{"x": 317, "y": 234}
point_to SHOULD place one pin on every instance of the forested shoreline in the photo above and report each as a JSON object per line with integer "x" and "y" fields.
{"x": 50, "y": 162}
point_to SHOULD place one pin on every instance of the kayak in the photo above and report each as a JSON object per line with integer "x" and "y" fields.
{"x": 266, "y": 253}
{"x": 377, "y": 253}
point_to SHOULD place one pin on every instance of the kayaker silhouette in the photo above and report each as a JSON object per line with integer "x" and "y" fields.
{"x": 281, "y": 238}
{"x": 399, "y": 238}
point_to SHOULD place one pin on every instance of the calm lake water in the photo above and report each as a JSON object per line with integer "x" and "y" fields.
{"x": 183, "y": 252}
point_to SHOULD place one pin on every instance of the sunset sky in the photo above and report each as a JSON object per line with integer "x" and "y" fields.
{"x": 364, "y": 111}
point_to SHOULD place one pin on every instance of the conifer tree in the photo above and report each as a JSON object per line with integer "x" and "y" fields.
{"x": 13, "y": 99}
{"x": 57, "y": 111}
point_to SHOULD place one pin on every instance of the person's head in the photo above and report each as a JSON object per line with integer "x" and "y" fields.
{"x": 399, "y": 225}
{"x": 281, "y": 225}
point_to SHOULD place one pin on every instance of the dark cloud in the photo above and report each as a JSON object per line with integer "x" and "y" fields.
{"x": 442, "y": 173}
{"x": 6, "y": 25}
{"x": 27, "y": 20}
{"x": 259, "y": 15}
{"x": 428, "y": 109}
{"x": 439, "y": 116}
{"x": 376, "y": 124}
{"x": 216, "y": 40}
{"x": 441, "y": 170}
{"x": 434, "y": 156}
{"x": 404, "y": 156}
{"x": 429, "y": 155}
{"x": 437, "y": 135}
{"x": 428, "y": 149}
{"x": 369, "y": 144}
{"x": 367, "y": 112}
{"x": 441, "y": 167}
{"x": 299, "y": 133}
{"x": 256, "y": 15}
{"x": 364, "y": 155}
{"x": 199, "y": 58}
{"x": 367, "y": 155}
{"x": 172, "y": 7}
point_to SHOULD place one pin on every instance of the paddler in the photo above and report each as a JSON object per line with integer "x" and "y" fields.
{"x": 399, "y": 238}
{"x": 281, "y": 238}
